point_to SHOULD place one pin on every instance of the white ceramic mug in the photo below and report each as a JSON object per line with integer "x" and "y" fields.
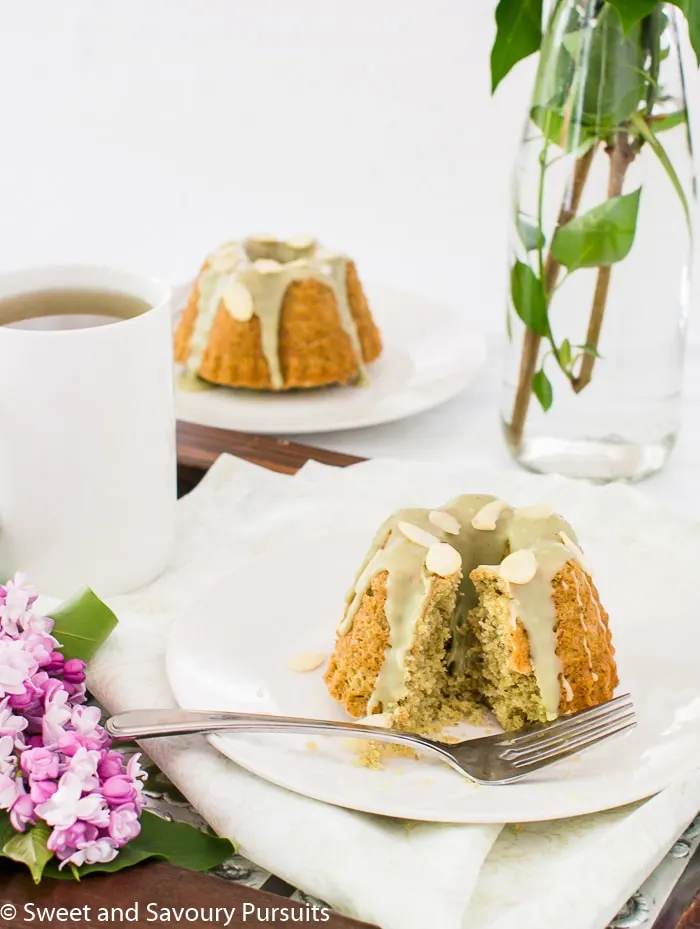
{"x": 87, "y": 441}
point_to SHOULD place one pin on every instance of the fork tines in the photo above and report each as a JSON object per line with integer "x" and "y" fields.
{"x": 569, "y": 734}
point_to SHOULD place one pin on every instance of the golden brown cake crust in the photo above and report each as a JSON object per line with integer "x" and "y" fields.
{"x": 359, "y": 654}
{"x": 314, "y": 350}
{"x": 584, "y": 640}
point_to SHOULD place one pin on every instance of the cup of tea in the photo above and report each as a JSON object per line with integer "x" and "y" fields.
{"x": 87, "y": 428}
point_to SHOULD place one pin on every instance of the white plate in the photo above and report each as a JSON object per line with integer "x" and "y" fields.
{"x": 281, "y": 602}
{"x": 428, "y": 358}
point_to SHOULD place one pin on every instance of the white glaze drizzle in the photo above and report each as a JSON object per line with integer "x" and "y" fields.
{"x": 268, "y": 288}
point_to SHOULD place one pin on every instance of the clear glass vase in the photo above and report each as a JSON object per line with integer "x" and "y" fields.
{"x": 601, "y": 244}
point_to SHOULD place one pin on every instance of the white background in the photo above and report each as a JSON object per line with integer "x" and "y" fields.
{"x": 143, "y": 132}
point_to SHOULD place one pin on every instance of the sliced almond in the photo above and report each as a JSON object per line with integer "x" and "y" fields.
{"x": 417, "y": 535}
{"x": 262, "y": 238}
{"x": 487, "y": 517}
{"x": 444, "y": 560}
{"x": 238, "y": 300}
{"x": 226, "y": 258}
{"x": 306, "y": 661}
{"x": 519, "y": 567}
{"x": 575, "y": 551}
{"x": 538, "y": 511}
{"x": 445, "y": 521}
{"x": 326, "y": 254}
{"x": 267, "y": 265}
{"x": 301, "y": 242}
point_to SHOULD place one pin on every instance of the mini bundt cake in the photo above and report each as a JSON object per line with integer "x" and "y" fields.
{"x": 275, "y": 315}
{"x": 471, "y": 607}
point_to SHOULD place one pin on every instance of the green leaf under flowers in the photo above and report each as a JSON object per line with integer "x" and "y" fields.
{"x": 530, "y": 235}
{"x": 528, "y": 298}
{"x": 602, "y": 236}
{"x": 83, "y": 624}
{"x": 6, "y": 830}
{"x": 632, "y": 12}
{"x": 610, "y": 75}
{"x": 691, "y": 9}
{"x": 29, "y": 848}
{"x": 180, "y": 844}
{"x": 518, "y": 35}
{"x": 542, "y": 389}
{"x": 648, "y": 134}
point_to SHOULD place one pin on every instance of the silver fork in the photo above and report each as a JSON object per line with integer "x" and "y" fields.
{"x": 496, "y": 759}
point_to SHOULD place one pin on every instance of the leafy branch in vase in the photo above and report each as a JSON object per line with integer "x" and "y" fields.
{"x": 598, "y": 89}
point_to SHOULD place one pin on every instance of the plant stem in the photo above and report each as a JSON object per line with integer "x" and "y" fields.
{"x": 621, "y": 157}
{"x": 531, "y": 341}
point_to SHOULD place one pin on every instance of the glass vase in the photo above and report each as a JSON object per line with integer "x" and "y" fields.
{"x": 601, "y": 244}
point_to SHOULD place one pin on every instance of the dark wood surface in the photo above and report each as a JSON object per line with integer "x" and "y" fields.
{"x": 131, "y": 892}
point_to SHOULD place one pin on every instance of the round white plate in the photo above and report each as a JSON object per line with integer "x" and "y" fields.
{"x": 428, "y": 358}
{"x": 289, "y": 599}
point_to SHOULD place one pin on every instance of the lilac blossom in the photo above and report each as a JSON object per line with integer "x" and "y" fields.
{"x": 56, "y": 761}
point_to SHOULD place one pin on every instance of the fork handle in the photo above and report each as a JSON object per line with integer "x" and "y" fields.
{"x": 147, "y": 724}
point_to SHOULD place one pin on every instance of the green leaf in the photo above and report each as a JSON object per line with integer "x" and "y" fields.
{"x": 528, "y": 298}
{"x": 179, "y": 843}
{"x": 83, "y": 624}
{"x": 565, "y": 353}
{"x": 600, "y": 237}
{"x": 589, "y": 350}
{"x": 518, "y": 35}
{"x": 569, "y": 135}
{"x": 664, "y": 122}
{"x": 530, "y": 235}
{"x": 632, "y": 12}
{"x": 691, "y": 9}
{"x": 611, "y": 79}
{"x": 647, "y": 133}
{"x": 6, "y": 830}
{"x": 542, "y": 389}
{"x": 30, "y": 848}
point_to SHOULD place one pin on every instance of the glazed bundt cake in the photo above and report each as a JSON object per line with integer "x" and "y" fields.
{"x": 472, "y": 607}
{"x": 275, "y": 315}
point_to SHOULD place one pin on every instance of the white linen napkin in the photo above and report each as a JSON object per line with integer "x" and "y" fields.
{"x": 539, "y": 876}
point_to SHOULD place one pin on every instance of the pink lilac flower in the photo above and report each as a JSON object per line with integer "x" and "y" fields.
{"x": 84, "y": 765}
{"x": 64, "y": 840}
{"x": 40, "y": 763}
{"x": 124, "y": 823}
{"x": 9, "y": 791}
{"x": 8, "y": 759}
{"x": 10, "y": 724}
{"x": 68, "y": 805}
{"x": 100, "y": 851}
{"x": 85, "y": 721}
{"x": 41, "y": 791}
{"x": 22, "y": 812}
{"x": 111, "y": 764}
{"x": 56, "y": 762}
{"x": 17, "y": 664}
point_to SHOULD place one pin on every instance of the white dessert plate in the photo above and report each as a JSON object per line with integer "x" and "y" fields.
{"x": 429, "y": 356}
{"x": 288, "y": 599}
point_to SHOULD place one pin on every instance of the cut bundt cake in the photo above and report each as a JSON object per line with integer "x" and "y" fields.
{"x": 471, "y": 607}
{"x": 276, "y": 315}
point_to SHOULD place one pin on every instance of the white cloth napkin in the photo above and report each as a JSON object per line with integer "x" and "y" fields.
{"x": 540, "y": 876}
